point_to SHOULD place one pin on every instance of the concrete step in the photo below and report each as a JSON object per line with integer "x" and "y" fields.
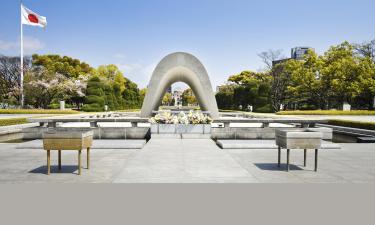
{"x": 97, "y": 144}
{"x": 366, "y": 139}
{"x": 262, "y": 144}
{"x": 350, "y": 130}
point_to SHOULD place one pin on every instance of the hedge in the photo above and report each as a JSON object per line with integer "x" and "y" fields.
{"x": 14, "y": 121}
{"x": 93, "y": 108}
{"x": 57, "y": 106}
{"x": 329, "y": 112}
{"x": 36, "y": 111}
{"x": 354, "y": 124}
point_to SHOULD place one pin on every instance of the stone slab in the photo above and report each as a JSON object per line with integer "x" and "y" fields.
{"x": 262, "y": 144}
{"x": 165, "y": 136}
{"x": 179, "y": 160}
{"x": 196, "y": 136}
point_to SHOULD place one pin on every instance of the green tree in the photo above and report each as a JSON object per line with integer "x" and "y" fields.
{"x": 167, "y": 99}
{"x": 224, "y": 97}
{"x": 65, "y": 65}
{"x": 252, "y": 89}
{"x": 188, "y": 97}
{"x": 95, "y": 96}
{"x": 305, "y": 85}
{"x": 121, "y": 92}
{"x": 367, "y": 82}
{"x": 342, "y": 74}
{"x": 10, "y": 94}
{"x": 142, "y": 94}
{"x": 131, "y": 95}
{"x": 366, "y": 50}
{"x": 112, "y": 74}
{"x": 279, "y": 85}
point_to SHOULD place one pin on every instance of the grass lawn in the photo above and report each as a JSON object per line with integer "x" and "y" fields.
{"x": 354, "y": 124}
{"x": 329, "y": 112}
{"x": 37, "y": 111}
{"x": 14, "y": 121}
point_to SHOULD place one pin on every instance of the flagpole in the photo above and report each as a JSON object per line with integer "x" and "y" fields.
{"x": 21, "y": 80}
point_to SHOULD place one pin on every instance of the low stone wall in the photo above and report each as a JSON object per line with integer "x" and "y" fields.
{"x": 242, "y": 133}
{"x": 258, "y": 133}
{"x": 181, "y": 131}
{"x": 11, "y": 137}
{"x": 99, "y": 132}
{"x": 14, "y": 132}
{"x": 145, "y": 132}
{"x": 32, "y": 131}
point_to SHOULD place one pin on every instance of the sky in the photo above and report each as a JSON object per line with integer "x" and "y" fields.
{"x": 226, "y": 35}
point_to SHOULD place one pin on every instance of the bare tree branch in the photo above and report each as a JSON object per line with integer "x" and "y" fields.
{"x": 271, "y": 55}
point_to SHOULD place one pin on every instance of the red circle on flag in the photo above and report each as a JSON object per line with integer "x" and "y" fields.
{"x": 33, "y": 18}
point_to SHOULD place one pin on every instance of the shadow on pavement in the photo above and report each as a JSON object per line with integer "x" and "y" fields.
{"x": 55, "y": 169}
{"x": 274, "y": 167}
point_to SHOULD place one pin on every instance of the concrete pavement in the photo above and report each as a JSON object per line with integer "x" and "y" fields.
{"x": 189, "y": 161}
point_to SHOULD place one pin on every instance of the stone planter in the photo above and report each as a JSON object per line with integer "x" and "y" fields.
{"x": 181, "y": 130}
{"x": 299, "y": 139}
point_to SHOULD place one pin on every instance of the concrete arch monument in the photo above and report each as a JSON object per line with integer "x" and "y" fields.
{"x": 180, "y": 67}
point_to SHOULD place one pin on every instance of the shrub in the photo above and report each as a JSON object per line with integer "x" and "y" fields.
{"x": 36, "y": 111}
{"x": 354, "y": 124}
{"x": 95, "y": 98}
{"x": 93, "y": 108}
{"x": 264, "y": 109}
{"x": 328, "y": 112}
{"x": 54, "y": 106}
{"x": 57, "y": 106}
{"x": 92, "y": 99}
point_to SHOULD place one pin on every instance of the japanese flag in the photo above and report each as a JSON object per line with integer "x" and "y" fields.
{"x": 28, "y": 17}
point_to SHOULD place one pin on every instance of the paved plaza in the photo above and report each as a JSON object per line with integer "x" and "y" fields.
{"x": 188, "y": 161}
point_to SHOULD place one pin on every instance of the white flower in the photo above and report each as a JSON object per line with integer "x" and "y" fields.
{"x": 193, "y": 117}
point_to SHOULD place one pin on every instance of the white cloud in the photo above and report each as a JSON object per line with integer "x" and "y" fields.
{"x": 119, "y": 56}
{"x": 30, "y": 45}
{"x": 137, "y": 72}
{"x": 5, "y": 45}
{"x": 148, "y": 70}
{"x": 129, "y": 68}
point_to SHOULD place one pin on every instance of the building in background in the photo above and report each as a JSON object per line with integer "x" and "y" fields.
{"x": 297, "y": 53}
{"x": 177, "y": 96}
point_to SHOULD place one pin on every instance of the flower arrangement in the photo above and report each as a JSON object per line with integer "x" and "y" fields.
{"x": 193, "y": 117}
